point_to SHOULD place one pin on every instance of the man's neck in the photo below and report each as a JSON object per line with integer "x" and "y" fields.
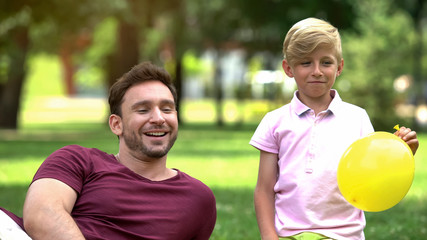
{"x": 153, "y": 169}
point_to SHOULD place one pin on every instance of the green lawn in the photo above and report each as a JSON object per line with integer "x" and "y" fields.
{"x": 220, "y": 157}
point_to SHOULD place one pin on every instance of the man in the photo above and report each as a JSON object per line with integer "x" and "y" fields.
{"x": 81, "y": 193}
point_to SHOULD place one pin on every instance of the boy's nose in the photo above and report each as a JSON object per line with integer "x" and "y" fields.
{"x": 317, "y": 71}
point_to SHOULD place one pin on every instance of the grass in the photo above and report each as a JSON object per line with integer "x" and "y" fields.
{"x": 220, "y": 157}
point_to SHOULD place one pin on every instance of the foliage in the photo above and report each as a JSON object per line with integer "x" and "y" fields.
{"x": 4, "y": 65}
{"x": 263, "y": 24}
{"x": 169, "y": 29}
{"x": 374, "y": 56}
{"x": 43, "y": 68}
{"x": 53, "y": 21}
{"x": 90, "y": 74}
{"x": 193, "y": 65}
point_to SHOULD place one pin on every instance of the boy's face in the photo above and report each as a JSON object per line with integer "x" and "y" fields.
{"x": 315, "y": 74}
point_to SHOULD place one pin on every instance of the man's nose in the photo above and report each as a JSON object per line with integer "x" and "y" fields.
{"x": 157, "y": 116}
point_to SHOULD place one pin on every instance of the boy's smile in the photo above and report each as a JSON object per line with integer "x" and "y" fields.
{"x": 315, "y": 75}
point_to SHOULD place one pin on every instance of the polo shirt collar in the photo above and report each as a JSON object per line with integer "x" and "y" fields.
{"x": 300, "y": 108}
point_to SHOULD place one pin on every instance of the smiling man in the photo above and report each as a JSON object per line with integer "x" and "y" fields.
{"x": 84, "y": 193}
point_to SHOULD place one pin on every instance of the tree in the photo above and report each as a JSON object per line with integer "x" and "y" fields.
{"x": 73, "y": 34}
{"x": 71, "y": 22}
{"x": 136, "y": 21}
{"x": 256, "y": 26}
{"x": 374, "y": 56}
{"x": 29, "y": 26}
{"x": 417, "y": 9}
{"x": 16, "y": 44}
{"x": 71, "y": 44}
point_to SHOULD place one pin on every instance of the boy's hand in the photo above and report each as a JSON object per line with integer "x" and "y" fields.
{"x": 409, "y": 136}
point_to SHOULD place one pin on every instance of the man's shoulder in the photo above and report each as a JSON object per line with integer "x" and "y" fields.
{"x": 75, "y": 147}
{"x": 193, "y": 182}
{"x": 201, "y": 196}
{"x": 80, "y": 150}
{"x": 76, "y": 154}
{"x": 188, "y": 178}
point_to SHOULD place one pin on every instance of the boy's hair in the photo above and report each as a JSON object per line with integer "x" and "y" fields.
{"x": 142, "y": 72}
{"x": 306, "y": 35}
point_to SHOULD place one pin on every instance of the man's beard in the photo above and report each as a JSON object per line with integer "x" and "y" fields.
{"x": 135, "y": 143}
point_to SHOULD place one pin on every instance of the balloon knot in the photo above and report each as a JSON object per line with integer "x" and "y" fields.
{"x": 397, "y": 127}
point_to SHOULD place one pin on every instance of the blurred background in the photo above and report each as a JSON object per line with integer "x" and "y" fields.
{"x": 59, "y": 57}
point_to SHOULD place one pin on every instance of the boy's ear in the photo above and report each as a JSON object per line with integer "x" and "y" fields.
{"x": 287, "y": 68}
{"x": 340, "y": 67}
{"x": 116, "y": 126}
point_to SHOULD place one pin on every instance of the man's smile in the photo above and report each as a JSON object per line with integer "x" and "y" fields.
{"x": 155, "y": 134}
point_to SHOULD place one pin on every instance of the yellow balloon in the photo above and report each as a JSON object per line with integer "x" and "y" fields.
{"x": 376, "y": 172}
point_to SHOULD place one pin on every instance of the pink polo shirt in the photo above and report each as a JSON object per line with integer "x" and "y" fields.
{"x": 309, "y": 148}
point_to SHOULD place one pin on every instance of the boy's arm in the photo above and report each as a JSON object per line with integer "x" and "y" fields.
{"x": 264, "y": 196}
{"x": 410, "y": 137}
{"x": 47, "y": 211}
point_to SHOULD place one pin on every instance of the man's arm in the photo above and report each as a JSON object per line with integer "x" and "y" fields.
{"x": 264, "y": 195}
{"x": 47, "y": 211}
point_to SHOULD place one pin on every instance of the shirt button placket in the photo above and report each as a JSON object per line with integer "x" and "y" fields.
{"x": 310, "y": 159}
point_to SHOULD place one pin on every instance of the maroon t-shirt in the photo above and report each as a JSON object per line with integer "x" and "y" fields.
{"x": 116, "y": 203}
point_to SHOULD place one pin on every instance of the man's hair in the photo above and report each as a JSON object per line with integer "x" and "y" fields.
{"x": 307, "y": 35}
{"x": 142, "y": 72}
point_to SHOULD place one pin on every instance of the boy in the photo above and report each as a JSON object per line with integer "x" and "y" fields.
{"x": 297, "y": 196}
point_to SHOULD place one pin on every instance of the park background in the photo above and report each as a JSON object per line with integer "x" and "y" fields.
{"x": 58, "y": 58}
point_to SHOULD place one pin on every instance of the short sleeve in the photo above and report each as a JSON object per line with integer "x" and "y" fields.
{"x": 68, "y": 165}
{"x": 263, "y": 138}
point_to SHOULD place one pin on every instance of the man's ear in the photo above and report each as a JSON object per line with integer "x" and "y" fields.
{"x": 287, "y": 68}
{"x": 116, "y": 125}
{"x": 340, "y": 67}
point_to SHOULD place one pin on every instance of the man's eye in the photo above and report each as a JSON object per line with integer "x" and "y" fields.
{"x": 142, "y": 110}
{"x": 167, "y": 110}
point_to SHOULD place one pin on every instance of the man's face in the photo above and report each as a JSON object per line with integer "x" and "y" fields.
{"x": 149, "y": 118}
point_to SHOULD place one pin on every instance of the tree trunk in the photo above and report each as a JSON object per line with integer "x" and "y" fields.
{"x": 127, "y": 54}
{"x": 66, "y": 57}
{"x": 11, "y": 96}
{"x": 218, "y": 92}
{"x": 178, "y": 85}
{"x": 71, "y": 44}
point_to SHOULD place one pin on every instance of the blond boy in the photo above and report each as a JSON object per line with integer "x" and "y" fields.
{"x": 297, "y": 195}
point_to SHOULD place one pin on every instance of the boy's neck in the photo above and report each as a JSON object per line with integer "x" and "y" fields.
{"x": 319, "y": 104}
